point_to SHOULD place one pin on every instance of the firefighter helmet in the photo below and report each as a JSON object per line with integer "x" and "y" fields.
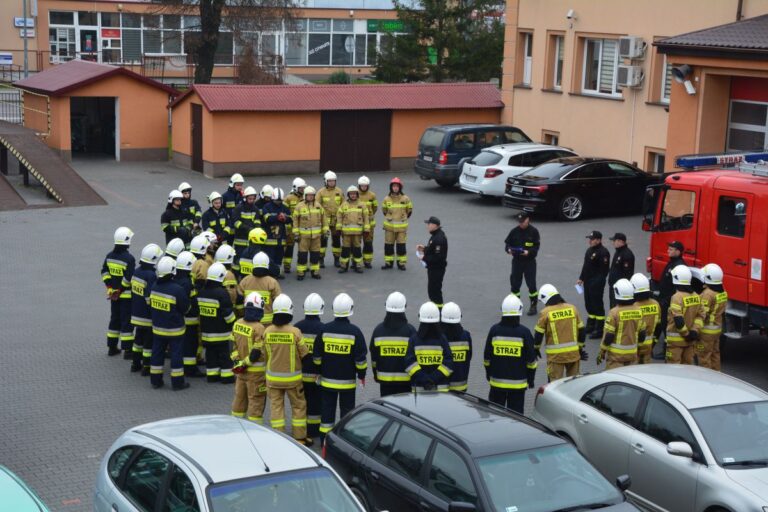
{"x": 396, "y": 303}
{"x": 429, "y": 313}
{"x": 174, "y": 247}
{"x": 511, "y": 306}
{"x": 123, "y": 236}
{"x": 261, "y": 260}
{"x": 343, "y": 305}
{"x": 254, "y": 300}
{"x": 236, "y": 178}
{"x": 257, "y": 236}
{"x": 329, "y": 176}
{"x": 282, "y": 304}
{"x": 352, "y": 189}
{"x": 266, "y": 192}
{"x": 297, "y": 184}
{"x": 309, "y": 191}
{"x": 210, "y": 236}
{"x": 681, "y": 275}
{"x": 217, "y": 272}
{"x": 640, "y": 283}
{"x": 184, "y": 186}
{"x": 250, "y": 191}
{"x": 174, "y": 194}
{"x": 451, "y": 313}
{"x": 151, "y": 254}
{"x": 712, "y": 273}
{"x": 546, "y": 292}
{"x": 363, "y": 181}
{"x": 199, "y": 245}
{"x": 225, "y": 254}
{"x": 623, "y": 290}
{"x": 314, "y": 305}
{"x": 213, "y": 196}
{"x": 184, "y": 260}
{"x": 166, "y": 266}
{"x": 277, "y": 194}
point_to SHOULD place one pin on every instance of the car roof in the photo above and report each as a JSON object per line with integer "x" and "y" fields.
{"x": 467, "y": 126}
{"x": 228, "y": 448}
{"x": 693, "y": 386}
{"x": 517, "y": 148}
{"x": 481, "y": 427}
{"x": 16, "y": 495}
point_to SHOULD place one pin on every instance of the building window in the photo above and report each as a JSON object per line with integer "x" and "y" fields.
{"x": 61, "y": 18}
{"x": 654, "y": 160}
{"x": 525, "y": 52}
{"x": 62, "y": 43}
{"x": 666, "y": 81}
{"x": 557, "y": 81}
{"x": 550, "y": 137}
{"x": 747, "y": 126}
{"x": 601, "y": 59}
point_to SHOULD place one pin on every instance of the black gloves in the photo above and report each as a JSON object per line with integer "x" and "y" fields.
{"x": 254, "y": 355}
{"x": 692, "y": 336}
{"x": 360, "y": 374}
{"x": 530, "y": 383}
{"x": 679, "y": 322}
{"x": 538, "y": 352}
{"x": 583, "y": 354}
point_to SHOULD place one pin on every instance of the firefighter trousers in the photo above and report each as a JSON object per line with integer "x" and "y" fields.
{"x": 390, "y": 239}
{"x": 351, "y": 245}
{"x": 435, "y": 277}
{"x": 368, "y": 246}
{"x": 644, "y": 354}
{"x": 298, "y": 409}
{"x": 557, "y": 371}
{"x": 610, "y": 364}
{"x": 680, "y": 354}
{"x": 142, "y": 347}
{"x": 218, "y": 363}
{"x": 312, "y": 395}
{"x": 191, "y": 337}
{"x": 120, "y": 327}
{"x": 174, "y": 345}
{"x": 593, "y": 298}
{"x": 393, "y": 388}
{"x": 276, "y": 253}
{"x": 309, "y": 250}
{"x": 705, "y": 350}
{"x": 335, "y": 243}
{"x": 328, "y": 399}
{"x": 288, "y": 253}
{"x": 250, "y": 396}
{"x": 510, "y": 398}
{"x": 523, "y": 269}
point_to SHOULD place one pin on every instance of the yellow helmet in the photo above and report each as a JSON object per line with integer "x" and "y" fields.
{"x": 257, "y": 236}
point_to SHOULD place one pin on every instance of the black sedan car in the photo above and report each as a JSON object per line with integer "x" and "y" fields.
{"x": 572, "y": 187}
{"x": 457, "y": 453}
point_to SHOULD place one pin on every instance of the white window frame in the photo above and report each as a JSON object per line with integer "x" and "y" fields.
{"x": 596, "y": 92}
{"x": 557, "y": 79}
{"x": 655, "y": 156}
{"x": 746, "y": 127}
{"x": 666, "y": 73}
{"x": 527, "y": 58}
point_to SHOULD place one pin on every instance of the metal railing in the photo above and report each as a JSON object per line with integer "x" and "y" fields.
{"x": 29, "y": 109}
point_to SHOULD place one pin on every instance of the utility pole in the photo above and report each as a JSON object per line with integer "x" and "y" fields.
{"x": 25, "y": 38}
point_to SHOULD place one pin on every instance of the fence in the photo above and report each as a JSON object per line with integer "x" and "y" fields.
{"x": 26, "y": 108}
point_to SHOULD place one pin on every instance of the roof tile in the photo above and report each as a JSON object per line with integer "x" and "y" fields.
{"x": 748, "y": 34}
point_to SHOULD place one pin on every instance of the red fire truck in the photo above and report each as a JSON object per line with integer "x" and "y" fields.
{"x": 718, "y": 209}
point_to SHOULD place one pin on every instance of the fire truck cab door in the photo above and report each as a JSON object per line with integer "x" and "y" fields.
{"x": 730, "y": 239}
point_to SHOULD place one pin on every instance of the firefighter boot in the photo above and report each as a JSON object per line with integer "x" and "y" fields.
{"x": 316, "y": 275}
{"x": 387, "y": 266}
{"x": 532, "y": 310}
{"x": 597, "y": 334}
{"x": 336, "y": 262}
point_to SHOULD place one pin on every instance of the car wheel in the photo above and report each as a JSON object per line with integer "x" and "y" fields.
{"x": 571, "y": 207}
{"x": 362, "y": 499}
{"x": 446, "y": 183}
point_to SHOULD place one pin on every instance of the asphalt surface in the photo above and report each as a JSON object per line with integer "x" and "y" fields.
{"x": 64, "y": 401}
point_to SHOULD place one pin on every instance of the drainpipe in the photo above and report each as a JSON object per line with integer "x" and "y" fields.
{"x": 739, "y": 9}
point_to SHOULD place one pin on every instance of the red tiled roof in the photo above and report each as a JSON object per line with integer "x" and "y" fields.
{"x": 63, "y": 78}
{"x": 283, "y": 98}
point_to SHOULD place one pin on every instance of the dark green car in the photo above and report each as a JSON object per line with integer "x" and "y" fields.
{"x": 16, "y": 495}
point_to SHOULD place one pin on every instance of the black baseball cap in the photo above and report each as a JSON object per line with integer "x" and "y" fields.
{"x": 432, "y": 220}
{"x": 619, "y": 236}
{"x": 677, "y": 245}
{"x": 595, "y": 235}
{"x": 522, "y": 216}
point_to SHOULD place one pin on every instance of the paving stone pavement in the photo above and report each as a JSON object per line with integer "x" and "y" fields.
{"x": 63, "y": 401}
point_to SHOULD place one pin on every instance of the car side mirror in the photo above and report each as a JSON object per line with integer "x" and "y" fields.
{"x": 623, "y": 482}
{"x": 647, "y": 226}
{"x": 680, "y": 449}
{"x": 461, "y": 506}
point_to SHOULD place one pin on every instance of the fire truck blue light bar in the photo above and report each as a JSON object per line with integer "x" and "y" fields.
{"x": 713, "y": 160}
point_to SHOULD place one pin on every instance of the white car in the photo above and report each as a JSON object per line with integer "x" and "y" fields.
{"x": 216, "y": 464}
{"x": 486, "y": 173}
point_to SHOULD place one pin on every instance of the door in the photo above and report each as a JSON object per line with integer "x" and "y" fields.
{"x": 355, "y": 140}
{"x": 197, "y": 137}
{"x": 448, "y": 480}
{"x": 730, "y": 240}
{"x": 677, "y": 220}
{"x": 142, "y": 483}
{"x": 589, "y": 184}
{"x": 628, "y": 188}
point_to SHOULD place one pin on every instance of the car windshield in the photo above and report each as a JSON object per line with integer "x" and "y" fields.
{"x": 545, "y": 479}
{"x": 432, "y": 138}
{"x": 737, "y": 434}
{"x": 486, "y": 158}
{"x": 549, "y": 169}
{"x": 310, "y": 490}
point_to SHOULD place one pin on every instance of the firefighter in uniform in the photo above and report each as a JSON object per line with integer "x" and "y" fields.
{"x": 245, "y": 217}
{"x": 286, "y": 353}
{"x": 460, "y": 342}
{"x": 261, "y": 282}
{"x": 435, "y": 257}
{"x": 353, "y": 221}
{"x": 168, "y": 302}
{"x": 278, "y": 221}
{"x": 216, "y": 318}
{"x": 141, "y": 316}
{"x": 622, "y": 264}
{"x": 199, "y": 247}
{"x": 428, "y": 358}
{"x": 651, "y": 316}
{"x": 509, "y": 357}
{"x": 523, "y": 243}
{"x": 249, "y": 362}
{"x": 257, "y": 242}
{"x": 594, "y": 272}
{"x": 624, "y": 329}
{"x": 330, "y": 198}
{"x": 685, "y": 318}
{"x": 226, "y": 255}
{"x": 234, "y": 194}
{"x": 310, "y": 224}
{"x": 341, "y": 355}
{"x": 213, "y": 244}
{"x": 265, "y": 197}
{"x": 368, "y": 197}
{"x": 561, "y": 331}
{"x": 310, "y": 327}
{"x": 173, "y": 220}
{"x": 116, "y": 272}
{"x": 174, "y": 248}
{"x": 388, "y": 345}
{"x": 191, "y": 208}
{"x": 184, "y": 264}
{"x": 397, "y": 208}
{"x": 216, "y": 219}
{"x": 291, "y": 201}
{"x": 666, "y": 288}
{"x": 714, "y": 299}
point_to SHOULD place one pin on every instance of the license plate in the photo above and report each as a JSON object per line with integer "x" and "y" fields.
{"x": 427, "y": 158}
{"x": 470, "y": 178}
{"x": 518, "y": 190}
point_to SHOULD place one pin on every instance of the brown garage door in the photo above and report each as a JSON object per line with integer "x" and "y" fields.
{"x": 355, "y": 140}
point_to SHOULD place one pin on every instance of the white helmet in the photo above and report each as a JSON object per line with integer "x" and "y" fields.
{"x": 151, "y": 254}
{"x": 254, "y": 299}
{"x": 277, "y": 194}
{"x": 623, "y": 290}
{"x": 681, "y": 275}
{"x": 309, "y": 190}
{"x": 266, "y": 191}
{"x": 451, "y": 313}
{"x": 546, "y": 292}
{"x": 185, "y": 260}
{"x": 123, "y": 236}
{"x": 429, "y": 313}
{"x": 184, "y": 186}
{"x": 511, "y": 306}
{"x": 174, "y": 194}
{"x": 174, "y": 247}
{"x": 640, "y": 283}
{"x": 199, "y": 245}
{"x": 329, "y": 176}
{"x": 249, "y": 191}
{"x": 236, "y": 178}
{"x": 712, "y": 273}
{"x": 261, "y": 260}
{"x": 224, "y": 254}
{"x": 363, "y": 180}
{"x": 298, "y": 183}
{"x": 351, "y": 189}
{"x": 213, "y": 196}
{"x": 314, "y": 305}
{"x": 395, "y": 303}
{"x": 282, "y": 304}
{"x": 166, "y": 266}
{"x": 217, "y": 272}
{"x": 343, "y": 305}
{"x": 210, "y": 236}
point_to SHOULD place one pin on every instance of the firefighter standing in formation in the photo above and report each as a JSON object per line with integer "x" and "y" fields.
{"x": 368, "y": 197}
{"x": 199, "y": 247}
{"x": 245, "y": 217}
{"x": 714, "y": 300}
{"x": 510, "y": 357}
{"x": 291, "y": 201}
{"x": 262, "y": 283}
{"x": 173, "y": 220}
{"x": 330, "y": 198}
{"x": 116, "y": 272}
{"x": 435, "y": 258}
{"x": 561, "y": 331}
{"x": 278, "y": 221}
{"x": 594, "y": 272}
{"x": 310, "y": 224}
{"x": 397, "y": 208}
{"x": 184, "y": 264}
{"x": 685, "y": 318}
{"x": 249, "y": 362}
{"x": 622, "y": 264}
{"x": 191, "y": 209}
{"x": 460, "y": 342}
{"x": 143, "y": 279}
{"x": 216, "y": 318}
{"x": 216, "y": 219}
{"x": 352, "y": 219}
{"x": 233, "y": 196}
{"x": 624, "y": 328}
{"x": 388, "y": 345}
{"x": 651, "y": 317}
{"x": 523, "y": 243}
{"x": 428, "y": 358}
{"x": 257, "y": 240}
{"x": 310, "y": 327}
{"x": 226, "y": 255}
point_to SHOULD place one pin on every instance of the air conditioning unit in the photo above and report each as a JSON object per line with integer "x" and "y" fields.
{"x": 632, "y": 47}
{"x": 630, "y": 76}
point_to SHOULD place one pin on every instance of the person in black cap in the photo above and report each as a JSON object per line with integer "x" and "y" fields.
{"x": 666, "y": 288}
{"x": 523, "y": 243}
{"x": 594, "y": 271}
{"x": 435, "y": 256}
{"x": 622, "y": 264}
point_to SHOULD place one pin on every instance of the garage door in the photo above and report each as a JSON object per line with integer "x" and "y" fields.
{"x": 355, "y": 140}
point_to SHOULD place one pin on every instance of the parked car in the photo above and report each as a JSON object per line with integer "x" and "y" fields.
{"x": 16, "y": 496}
{"x": 487, "y": 172}
{"x": 216, "y": 464}
{"x": 455, "y": 452}
{"x": 575, "y": 186}
{"x": 691, "y": 439}
{"x": 443, "y": 147}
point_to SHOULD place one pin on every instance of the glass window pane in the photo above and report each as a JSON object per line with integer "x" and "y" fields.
{"x": 361, "y": 430}
{"x": 343, "y": 49}
{"x": 449, "y": 477}
{"x": 191, "y": 22}
{"x": 296, "y": 49}
{"x": 171, "y": 41}
{"x": 132, "y": 20}
{"x": 360, "y": 53}
{"x": 559, "y": 58}
{"x": 299, "y": 25}
{"x": 621, "y": 402}
{"x": 409, "y": 451}
{"x": 677, "y": 211}
{"x": 343, "y": 25}
{"x": 151, "y": 21}
{"x": 319, "y": 25}
{"x": 372, "y": 49}
{"x": 732, "y": 216}
{"x": 61, "y": 18}
{"x": 485, "y": 139}
{"x": 118, "y": 460}
{"x": 594, "y": 397}
{"x": 662, "y": 422}
{"x": 87, "y": 18}
{"x": 171, "y": 21}
{"x": 152, "y": 41}
{"x": 748, "y": 113}
{"x": 515, "y": 136}
{"x": 319, "y": 49}
{"x": 180, "y": 496}
{"x": 111, "y": 56}
{"x": 131, "y": 45}
{"x": 486, "y": 158}
{"x": 621, "y": 170}
{"x": 384, "y": 447}
{"x": 608, "y": 65}
{"x": 110, "y": 19}
{"x": 667, "y": 80}
{"x": 745, "y": 140}
{"x": 268, "y": 47}
{"x": 145, "y": 478}
{"x": 225, "y": 49}
{"x": 592, "y": 60}
{"x": 463, "y": 141}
